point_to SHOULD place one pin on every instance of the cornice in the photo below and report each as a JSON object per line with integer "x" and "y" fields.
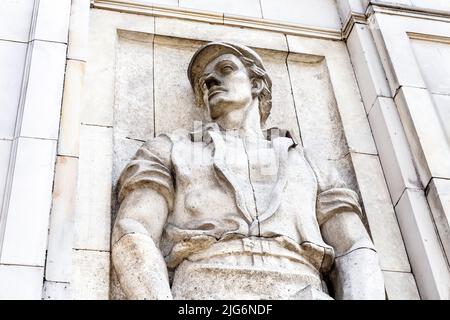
{"x": 157, "y": 10}
{"x": 137, "y": 7}
{"x": 407, "y": 11}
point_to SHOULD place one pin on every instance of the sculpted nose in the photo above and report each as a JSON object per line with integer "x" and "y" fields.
{"x": 211, "y": 81}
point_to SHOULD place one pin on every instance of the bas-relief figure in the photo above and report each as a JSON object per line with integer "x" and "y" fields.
{"x": 231, "y": 211}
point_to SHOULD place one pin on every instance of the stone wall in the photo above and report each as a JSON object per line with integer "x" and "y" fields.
{"x": 362, "y": 85}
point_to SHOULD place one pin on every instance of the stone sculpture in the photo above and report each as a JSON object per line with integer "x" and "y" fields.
{"x": 232, "y": 211}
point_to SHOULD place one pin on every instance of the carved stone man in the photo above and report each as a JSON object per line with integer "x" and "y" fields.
{"x": 236, "y": 212}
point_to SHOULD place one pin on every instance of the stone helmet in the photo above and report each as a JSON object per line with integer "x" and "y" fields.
{"x": 251, "y": 60}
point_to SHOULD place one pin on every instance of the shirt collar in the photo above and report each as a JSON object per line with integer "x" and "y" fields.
{"x": 202, "y": 133}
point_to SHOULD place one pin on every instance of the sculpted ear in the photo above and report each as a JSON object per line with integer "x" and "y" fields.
{"x": 257, "y": 87}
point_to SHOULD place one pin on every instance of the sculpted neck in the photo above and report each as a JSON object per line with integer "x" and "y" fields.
{"x": 243, "y": 122}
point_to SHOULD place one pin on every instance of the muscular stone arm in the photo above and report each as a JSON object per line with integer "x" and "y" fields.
{"x": 136, "y": 257}
{"x": 356, "y": 274}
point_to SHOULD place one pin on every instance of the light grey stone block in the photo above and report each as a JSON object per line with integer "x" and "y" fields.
{"x": 21, "y": 282}
{"x": 400, "y": 286}
{"x": 345, "y": 89}
{"x": 61, "y": 235}
{"x": 249, "y": 8}
{"x": 56, "y": 291}
{"x": 52, "y": 21}
{"x": 282, "y": 117}
{"x": 15, "y": 19}
{"x": 399, "y": 64}
{"x": 393, "y": 149}
{"x": 69, "y": 132}
{"x": 12, "y": 62}
{"x": 318, "y": 116}
{"x": 163, "y": 2}
{"x": 79, "y": 30}
{"x": 425, "y": 134}
{"x": 442, "y": 101}
{"x": 438, "y": 196}
{"x": 380, "y": 213}
{"x": 133, "y": 109}
{"x": 90, "y": 277}
{"x": 44, "y": 91}
{"x": 347, "y": 7}
{"x": 172, "y": 57}
{"x": 124, "y": 150}
{"x": 98, "y": 101}
{"x": 434, "y": 62}
{"x": 367, "y": 65}
{"x": 25, "y": 239}
{"x": 214, "y": 32}
{"x": 93, "y": 208}
{"x": 423, "y": 245}
{"x": 435, "y": 5}
{"x": 5, "y": 152}
{"x": 319, "y": 13}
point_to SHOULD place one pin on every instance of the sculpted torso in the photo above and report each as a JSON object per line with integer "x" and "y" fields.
{"x": 231, "y": 211}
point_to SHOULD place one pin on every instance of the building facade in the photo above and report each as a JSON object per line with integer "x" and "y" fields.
{"x": 364, "y": 85}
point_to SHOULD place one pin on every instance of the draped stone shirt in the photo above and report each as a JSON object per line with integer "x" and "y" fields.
{"x": 220, "y": 187}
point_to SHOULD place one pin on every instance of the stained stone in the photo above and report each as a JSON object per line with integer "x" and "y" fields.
{"x": 227, "y": 210}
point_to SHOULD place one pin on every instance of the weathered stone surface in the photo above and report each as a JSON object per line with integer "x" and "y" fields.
{"x": 241, "y": 204}
{"x": 56, "y": 291}
{"x": 61, "y": 234}
{"x": 174, "y": 105}
{"x": 368, "y": 276}
{"x": 318, "y": 116}
{"x": 69, "y": 133}
{"x": 197, "y": 281}
{"x": 345, "y": 89}
{"x": 93, "y": 209}
{"x": 133, "y": 109}
{"x": 98, "y": 101}
{"x": 400, "y": 286}
{"x": 285, "y": 117}
{"x": 90, "y": 277}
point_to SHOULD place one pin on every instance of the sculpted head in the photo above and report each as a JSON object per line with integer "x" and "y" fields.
{"x": 226, "y": 77}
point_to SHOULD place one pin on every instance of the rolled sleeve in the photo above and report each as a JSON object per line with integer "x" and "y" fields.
{"x": 333, "y": 196}
{"x": 334, "y": 201}
{"x": 151, "y": 167}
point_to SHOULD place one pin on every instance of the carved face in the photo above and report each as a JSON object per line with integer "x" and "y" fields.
{"x": 226, "y": 85}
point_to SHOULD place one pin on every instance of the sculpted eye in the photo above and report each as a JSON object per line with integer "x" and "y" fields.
{"x": 227, "y": 68}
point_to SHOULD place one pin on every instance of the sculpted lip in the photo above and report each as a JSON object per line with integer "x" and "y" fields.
{"x": 215, "y": 91}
